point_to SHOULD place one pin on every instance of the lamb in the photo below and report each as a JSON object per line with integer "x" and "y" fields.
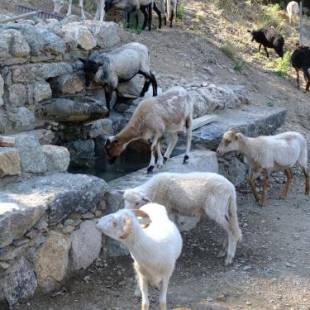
{"x": 269, "y": 153}
{"x": 292, "y": 10}
{"x": 58, "y": 4}
{"x": 268, "y": 37}
{"x": 190, "y": 194}
{"x": 167, "y": 114}
{"x": 131, "y": 6}
{"x": 300, "y": 60}
{"x": 154, "y": 249}
{"x": 119, "y": 65}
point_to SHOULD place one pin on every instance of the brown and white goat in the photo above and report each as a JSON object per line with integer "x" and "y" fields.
{"x": 155, "y": 117}
{"x": 269, "y": 153}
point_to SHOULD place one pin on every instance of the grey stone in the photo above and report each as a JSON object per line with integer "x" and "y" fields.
{"x": 45, "y": 136}
{"x": 67, "y": 84}
{"x": 52, "y": 261}
{"x": 209, "y": 306}
{"x": 41, "y": 91}
{"x": 9, "y": 162}
{"x": 5, "y": 40}
{"x": 31, "y": 153}
{"x": 132, "y": 88}
{"x": 77, "y": 109}
{"x": 252, "y": 121}
{"x": 53, "y": 44}
{"x": 37, "y": 72}
{"x": 58, "y": 194}
{"x": 57, "y": 157}
{"x": 204, "y": 161}
{"x": 17, "y": 94}
{"x": 19, "y": 45}
{"x": 86, "y": 245}
{"x": 19, "y": 282}
{"x": 20, "y": 119}
{"x": 82, "y": 152}
{"x": 114, "y": 248}
{"x": 97, "y": 128}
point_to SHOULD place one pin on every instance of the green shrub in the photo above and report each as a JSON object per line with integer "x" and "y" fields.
{"x": 282, "y": 66}
{"x": 180, "y": 11}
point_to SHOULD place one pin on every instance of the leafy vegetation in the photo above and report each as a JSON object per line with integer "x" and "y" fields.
{"x": 180, "y": 11}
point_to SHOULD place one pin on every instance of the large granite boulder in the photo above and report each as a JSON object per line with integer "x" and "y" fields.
{"x": 76, "y": 109}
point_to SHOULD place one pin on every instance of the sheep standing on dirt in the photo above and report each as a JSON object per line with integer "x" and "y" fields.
{"x": 268, "y": 38}
{"x": 292, "y": 10}
{"x": 58, "y": 5}
{"x": 193, "y": 194}
{"x": 154, "y": 248}
{"x": 269, "y": 153}
{"x": 300, "y": 60}
{"x": 133, "y": 6}
{"x": 119, "y": 65}
{"x": 167, "y": 114}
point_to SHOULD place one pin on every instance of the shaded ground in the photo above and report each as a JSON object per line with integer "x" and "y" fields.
{"x": 272, "y": 267}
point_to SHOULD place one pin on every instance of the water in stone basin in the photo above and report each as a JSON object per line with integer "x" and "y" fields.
{"x": 130, "y": 161}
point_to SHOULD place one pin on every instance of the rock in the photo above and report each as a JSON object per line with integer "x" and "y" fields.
{"x": 67, "y": 84}
{"x": 21, "y": 119}
{"x": 212, "y": 98}
{"x": 82, "y": 152}
{"x": 88, "y": 216}
{"x": 31, "y": 154}
{"x": 80, "y": 35}
{"x": 1, "y": 90}
{"x": 132, "y": 88}
{"x": 86, "y": 245}
{"x": 53, "y": 44}
{"x": 37, "y": 72}
{"x": 96, "y": 128}
{"x": 19, "y": 46}
{"x": 41, "y": 91}
{"x": 114, "y": 248}
{"x": 4, "y": 266}
{"x": 19, "y": 282}
{"x": 57, "y": 157}
{"x": 52, "y": 261}
{"x": 17, "y": 94}
{"x": 9, "y": 162}
{"x": 209, "y": 306}
{"x": 5, "y": 40}
{"x": 45, "y": 136}
{"x": 71, "y": 110}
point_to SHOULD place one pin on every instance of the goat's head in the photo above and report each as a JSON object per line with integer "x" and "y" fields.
{"x": 134, "y": 199}
{"x": 58, "y": 4}
{"x": 230, "y": 142}
{"x": 113, "y": 148}
{"x": 117, "y": 225}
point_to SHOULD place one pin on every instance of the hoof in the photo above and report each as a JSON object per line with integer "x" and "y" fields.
{"x": 165, "y": 159}
{"x": 228, "y": 260}
{"x": 186, "y": 158}
{"x": 150, "y": 169}
{"x": 159, "y": 165}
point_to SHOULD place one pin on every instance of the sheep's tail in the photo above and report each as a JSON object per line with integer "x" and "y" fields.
{"x": 233, "y": 217}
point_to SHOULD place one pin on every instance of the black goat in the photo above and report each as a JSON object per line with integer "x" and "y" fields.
{"x": 300, "y": 60}
{"x": 268, "y": 37}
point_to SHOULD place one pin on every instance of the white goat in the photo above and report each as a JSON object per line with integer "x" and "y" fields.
{"x": 168, "y": 114}
{"x": 190, "y": 194}
{"x": 170, "y": 9}
{"x": 292, "y": 10}
{"x": 154, "y": 249}
{"x": 58, "y": 5}
{"x": 269, "y": 153}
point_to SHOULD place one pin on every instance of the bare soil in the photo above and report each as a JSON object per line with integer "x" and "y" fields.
{"x": 272, "y": 265}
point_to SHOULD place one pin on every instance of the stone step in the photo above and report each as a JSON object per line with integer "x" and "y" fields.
{"x": 199, "y": 161}
{"x": 252, "y": 121}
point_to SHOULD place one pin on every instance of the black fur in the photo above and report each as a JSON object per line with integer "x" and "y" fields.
{"x": 269, "y": 38}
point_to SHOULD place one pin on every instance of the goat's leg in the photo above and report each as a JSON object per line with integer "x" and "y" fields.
{"x": 158, "y": 12}
{"x": 154, "y": 84}
{"x": 251, "y": 181}
{"x": 149, "y": 78}
{"x": 171, "y": 17}
{"x": 163, "y": 294}
{"x": 173, "y": 137}
{"x": 259, "y": 47}
{"x": 289, "y": 176}
{"x": 223, "y": 251}
{"x": 101, "y": 8}
{"x": 265, "y": 187}
{"x": 81, "y": 4}
{"x": 297, "y": 78}
{"x": 153, "y": 150}
{"x": 307, "y": 79}
{"x": 231, "y": 249}
{"x": 160, "y": 158}
{"x": 150, "y": 8}
{"x": 143, "y": 284}
{"x": 265, "y": 48}
{"x": 146, "y": 86}
{"x": 145, "y": 16}
{"x": 307, "y": 180}
{"x": 188, "y": 125}
{"x": 69, "y": 8}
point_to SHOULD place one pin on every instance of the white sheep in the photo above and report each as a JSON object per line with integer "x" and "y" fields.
{"x": 292, "y": 10}
{"x": 119, "y": 65}
{"x": 169, "y": 114}
{"x": 58, "y": 5}
{"x": 269, "y": 153}
{"x": 192, "y": 194}
{"x": 170, "y": 9}
{"x": 154, "y": 248}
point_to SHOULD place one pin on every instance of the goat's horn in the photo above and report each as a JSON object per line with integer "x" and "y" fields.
{"x": 140, "y": 213}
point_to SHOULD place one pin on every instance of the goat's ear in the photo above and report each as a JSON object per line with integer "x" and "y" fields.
{"x": 146, "y": 199}
{"x": 237, "y": 136}
{"x": 83, "y": 60}
{"x": 127, "y": 228}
